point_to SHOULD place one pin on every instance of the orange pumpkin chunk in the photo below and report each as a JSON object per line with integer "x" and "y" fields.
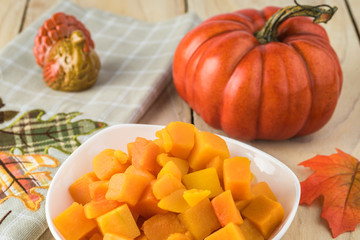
{"x": 182, "y": 164}
{"x": 182, "y": 137}
{"x": 144, "y": 153}
{"x": 98, "y": 189}
{"x": 237, "y": 177}
{"x": 132, "y": 169}
{"x": 230, "y": 231}
{"x": 165, "y": 185}
{"x": 160, "y": 226}
{"x": 142, "y": 237}
{"x": 207, "y": 146}
{"x": 73, "y": 224}
{"x": 126, "y": 187}
{"x": 174, "y": 202}
{"x": 106, "y": 164}
{"x": 79, "y": 190}
{"x": 225, "y": 209}
{"x": 200, "y": 220}
{"x": 94, "y": 209}
{"x": 172, "y": 168}
{"x": 250, "y": 231}
{"x": 119, "y": 221}
{"x": 147, "y": 206}
{"x": 264, "y": 213}
{"x": 218, "y": 164}
{"x": 205, "y": 179}
{"x": 262, "y": 188}
{"x": 180, "y": 236}
{"x": 113, "y": 236}
{"x": 96, "y": 236}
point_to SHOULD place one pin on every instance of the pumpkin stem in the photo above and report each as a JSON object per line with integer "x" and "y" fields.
{"x": 321, "y": 14}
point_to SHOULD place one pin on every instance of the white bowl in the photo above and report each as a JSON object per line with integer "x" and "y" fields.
{"x": 280, "y": 178}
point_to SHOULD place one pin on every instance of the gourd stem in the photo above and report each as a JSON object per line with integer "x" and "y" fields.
{"x": 321, "y": 14}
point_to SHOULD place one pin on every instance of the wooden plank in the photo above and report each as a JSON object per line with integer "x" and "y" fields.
{"x": 341, "y": 131}
{"x": 354, "y": 6}
{"x": 35, "y": 9}
{"x": 11, "y": 13}
{"x": 140, "y": 9}
{"x": 167, "y": 108}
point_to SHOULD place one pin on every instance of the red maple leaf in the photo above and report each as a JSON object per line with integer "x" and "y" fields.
{"x": 337, "y": 179}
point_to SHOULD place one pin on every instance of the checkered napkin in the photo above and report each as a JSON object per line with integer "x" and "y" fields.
{"x": 136, "y": 60}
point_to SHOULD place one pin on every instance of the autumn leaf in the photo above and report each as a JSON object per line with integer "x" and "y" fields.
{"x": 19, "y": 178}
{"x": 337, "y": 179}
{"x": 30, "y": 134}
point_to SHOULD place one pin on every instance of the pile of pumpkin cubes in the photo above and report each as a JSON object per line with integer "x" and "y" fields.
{"x": 181, "y": 186}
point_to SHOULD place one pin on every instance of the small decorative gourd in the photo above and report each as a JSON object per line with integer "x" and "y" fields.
{"x": 65, "y": 51}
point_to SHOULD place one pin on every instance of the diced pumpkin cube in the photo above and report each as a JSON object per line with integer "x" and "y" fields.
{"x": 126, "y": 187}
{"x": 194, "y": 196}
{"x": 205, "y": 179}
{"x": 230, "y": 231}
{"x": 264, "y": 213}
{"x": 200, "y": 220}
{"x": 180, "y": 236}
{"x": 160, "y": 226}
{"x": 262, "y": 188}
{"x": 132, "y": 169}
{"x": 182, "y": 164}
{"x": 218, "y": 164}
{"x": 165, "y": 185}
{"x": 94, "y": 209}
{"x": 147, "y": 206}
{"x": 112, "y": 236}
{"x": 73, "y": 224}
{"x": 240, "y": 205}
{"x": 79, "y": 190}
{"x": 225, "y": 209}
{"x": 142, "y": 237}
{"x": 174, "y": 202}
{"x": 207, "y": 146}
{"x": 122, "y": 157}
{"x": 98, "y": 189}
{"x": 106, "y": 164}
{"x": 165, "y": 139}
{"x": 96, "y": 236}
{"x": 144, "y": 153}
{"x": 130, "y": 146}
{"x": 250, "y": 231}
{"x": 182, "y": 137}
{"x": 119, "y": 221}
{"x": 172, "y": 168}
{"x": 237, "y": 177}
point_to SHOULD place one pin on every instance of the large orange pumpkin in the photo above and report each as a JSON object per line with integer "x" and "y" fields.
{"x": 269, "y": 74}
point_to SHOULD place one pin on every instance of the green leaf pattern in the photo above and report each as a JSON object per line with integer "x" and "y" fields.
{"x": 30, "y": 134}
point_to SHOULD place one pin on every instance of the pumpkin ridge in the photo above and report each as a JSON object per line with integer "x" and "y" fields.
{"x": 304, "y": 130}
{"x": 209, "y": 51}
{"x": 263, "y": 54}
{"x": 311, "y": 84}
{"x": 222, "y": 111}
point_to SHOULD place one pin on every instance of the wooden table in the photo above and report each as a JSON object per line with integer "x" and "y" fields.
{"x": 343, "y": 130}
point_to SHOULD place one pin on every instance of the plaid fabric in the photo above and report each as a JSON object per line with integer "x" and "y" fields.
{"x": 30, "y": 134}
{"x": 136, "y": 60}
{"x": 18, "y": 181}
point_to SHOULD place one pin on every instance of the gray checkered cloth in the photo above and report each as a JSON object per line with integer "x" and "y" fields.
{"x": 136, "y": 58}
